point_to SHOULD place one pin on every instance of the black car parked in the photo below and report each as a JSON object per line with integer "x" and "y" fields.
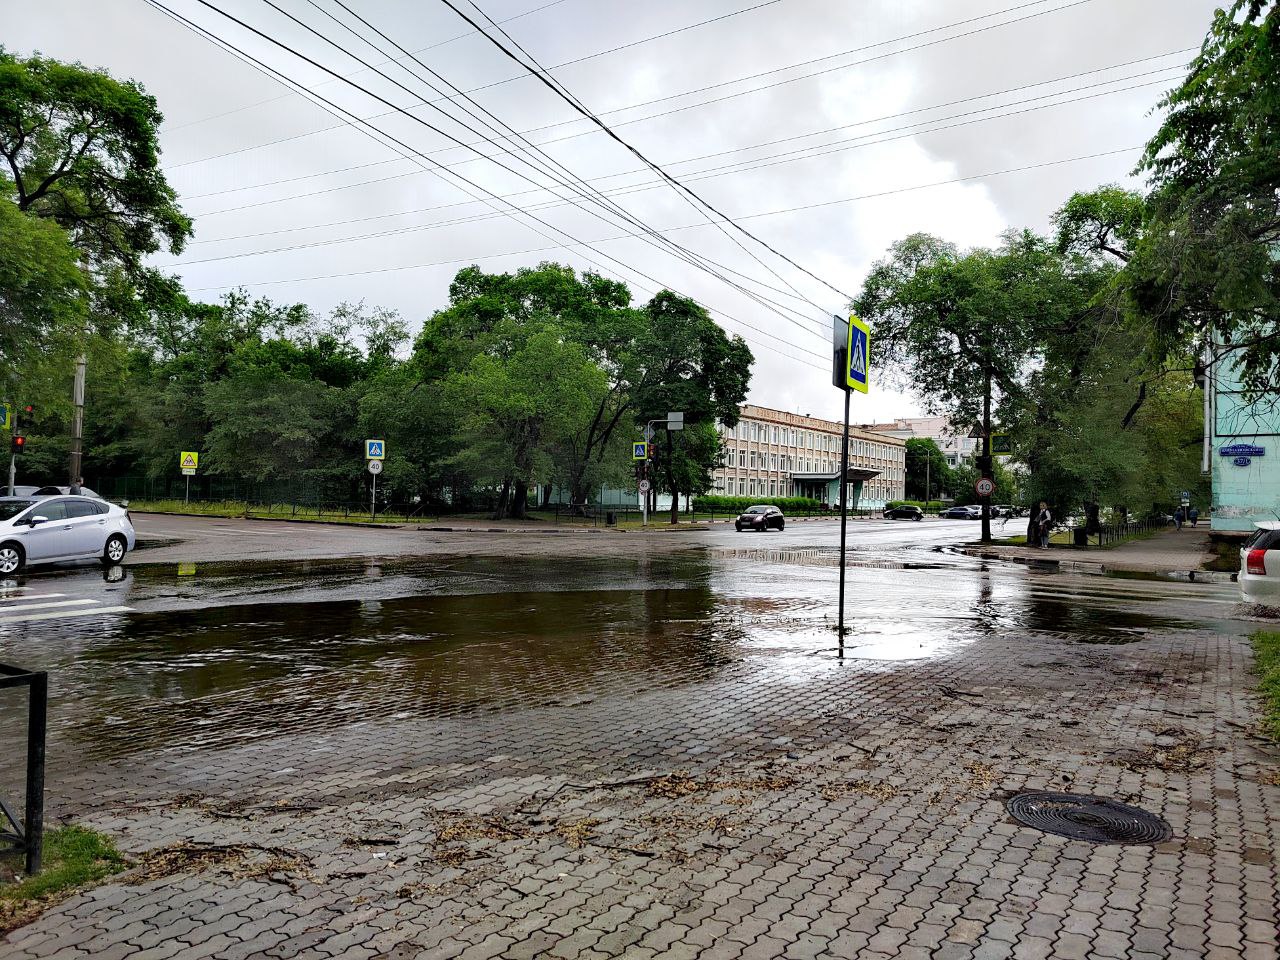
{"x": 760, "y": 518}
{"x": 904, "y": 512}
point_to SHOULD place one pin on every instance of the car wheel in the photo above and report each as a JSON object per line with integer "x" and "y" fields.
{"x": 11, "y": 559}
{"x": 114, "y": 551}
{"x": 917, "y": 518}
{"x": 781, "y": 525}
{"x": 738, "y": 527}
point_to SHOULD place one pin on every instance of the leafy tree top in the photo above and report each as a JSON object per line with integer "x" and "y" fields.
{"x": 81, "y": 148}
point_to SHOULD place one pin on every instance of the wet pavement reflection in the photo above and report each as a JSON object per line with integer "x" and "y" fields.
{"x": 215, "y": 654}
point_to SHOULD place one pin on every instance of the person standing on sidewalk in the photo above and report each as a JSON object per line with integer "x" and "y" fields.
{"x": 1193, "y": 515}
{"x": 1044, "y": 520}
{"x": 1178, "y": 517}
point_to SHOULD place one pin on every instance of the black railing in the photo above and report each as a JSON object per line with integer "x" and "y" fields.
{"x": 1110, "y": 534}
{"x": 27, "y": 835}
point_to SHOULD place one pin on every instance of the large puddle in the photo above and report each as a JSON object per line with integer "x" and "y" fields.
{"x": 218, "y": 654}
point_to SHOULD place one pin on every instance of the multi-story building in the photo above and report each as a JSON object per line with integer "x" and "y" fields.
{"x": 956, "y": 445}
{"x": 771, "y": 453}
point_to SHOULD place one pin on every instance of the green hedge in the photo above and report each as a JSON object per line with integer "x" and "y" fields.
{"x": 1266, "y": 652}
{"x": 738, "y": 504}
{"x": 933, "y": 506}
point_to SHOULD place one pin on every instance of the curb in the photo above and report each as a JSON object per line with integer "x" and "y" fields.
{"x": 328, "y": 523}
{"x": 526, "y": 530}
{"x": 1101, "y": 569}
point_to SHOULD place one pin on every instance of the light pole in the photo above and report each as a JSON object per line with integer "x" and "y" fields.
{"x": 674, "y": 420}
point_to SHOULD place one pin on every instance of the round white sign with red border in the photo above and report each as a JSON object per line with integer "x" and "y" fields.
{"x": 985, "y": 487}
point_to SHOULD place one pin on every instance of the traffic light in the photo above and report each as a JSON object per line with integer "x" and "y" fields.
{"x": 19, "y": 443}
{"x": 29, "y": 410}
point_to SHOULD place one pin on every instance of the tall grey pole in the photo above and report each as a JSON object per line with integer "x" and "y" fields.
{"x": 13, "y": 457}
{"x": 77, "y": 423}
{"x": 844, "y": 509}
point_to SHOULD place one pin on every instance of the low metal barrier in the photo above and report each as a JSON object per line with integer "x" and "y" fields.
{"x": 27, "y": 835}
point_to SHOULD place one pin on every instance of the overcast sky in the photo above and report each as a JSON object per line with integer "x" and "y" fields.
{"x": 263, "y": 168}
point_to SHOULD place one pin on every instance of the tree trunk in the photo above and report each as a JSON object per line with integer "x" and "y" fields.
{"x": 986, "y": 470}
{"x": 545, "y": 499}
{"x": 501, "y": 510}
{"x": 519, "y": 500}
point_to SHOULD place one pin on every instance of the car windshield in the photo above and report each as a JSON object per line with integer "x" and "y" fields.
{"x": 11, "y": 508}
{"x": 758, "y": 510}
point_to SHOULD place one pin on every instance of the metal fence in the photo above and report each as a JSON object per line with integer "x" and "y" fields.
{"x": 1110, "y": 534}
{"x": 27, "y": 834}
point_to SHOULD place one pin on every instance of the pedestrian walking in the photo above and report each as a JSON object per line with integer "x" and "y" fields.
{"x": 1178, "y": 517}
{"x": 1044, "y": 520}
{"x": 1194, "y": 515}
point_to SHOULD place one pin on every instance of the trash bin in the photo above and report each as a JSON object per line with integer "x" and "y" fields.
{"x": 611, "y": 519}
{"x": 1080, "y": 536}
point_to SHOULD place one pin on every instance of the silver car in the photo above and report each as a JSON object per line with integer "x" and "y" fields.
{"x": 52, "y": 529}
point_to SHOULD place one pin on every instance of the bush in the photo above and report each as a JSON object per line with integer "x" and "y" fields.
{"x": 720, "y": 504}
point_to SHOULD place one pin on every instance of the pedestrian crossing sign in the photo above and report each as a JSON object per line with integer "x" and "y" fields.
{"x": 375, "y": 449}
{"x": 858, "y": 374}
{"x": 6, "y": 418}
{"x": 640, "y": 450}
{"x": 189, "y": 460}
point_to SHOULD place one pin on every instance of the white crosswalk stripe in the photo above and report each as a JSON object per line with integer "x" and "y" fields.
{"x": 57, "y": 614}
{"x": 25, "y": 607}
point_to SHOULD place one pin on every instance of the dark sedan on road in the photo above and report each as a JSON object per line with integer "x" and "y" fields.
{"x": 904, "y": 512}
{"x": 962, "y": 513}
{"x": 760, "y": 518}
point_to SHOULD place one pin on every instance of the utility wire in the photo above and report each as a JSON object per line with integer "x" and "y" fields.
{"x": 755, "y": 146}
{"x": 573, "y": 241}
{"x": 623, "y": 190}
{"x": 575, "y": 183}
{"x": 696, "y": 199}
{"x": 291, "y": 90}
{"x": 723, "y": 83}
{"x": 691, "y": 226}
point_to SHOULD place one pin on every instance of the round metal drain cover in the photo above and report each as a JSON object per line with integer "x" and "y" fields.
{"x": 1095, "y": 819}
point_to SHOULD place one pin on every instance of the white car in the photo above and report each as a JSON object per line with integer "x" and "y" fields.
{"x": 52, "y": 529}
{"x": 1260, "y": 565}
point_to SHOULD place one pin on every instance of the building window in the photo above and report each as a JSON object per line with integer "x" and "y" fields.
{"x": 742, "y": 457}
{"x": 751, "y": 462}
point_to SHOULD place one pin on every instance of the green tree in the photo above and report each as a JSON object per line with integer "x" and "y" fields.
{"x": 42, "y": 305}
{"x": 690, "y": 365}
{"x": 926, "y": 462}
{"x": 963, "y": 329}
{"x": 1205, "y": 270}
{"x": 82, "y": 150}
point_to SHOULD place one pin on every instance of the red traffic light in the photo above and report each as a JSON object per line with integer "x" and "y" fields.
{"x": 28, "y": 409}
{"x": 19, "y": 443}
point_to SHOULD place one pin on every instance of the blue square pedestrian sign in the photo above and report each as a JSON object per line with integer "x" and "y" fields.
{"x": 375, "y": 450}
{"x": 640, "y": 450}
{"x": 858, "y": 374}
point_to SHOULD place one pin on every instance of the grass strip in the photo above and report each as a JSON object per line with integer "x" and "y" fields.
{"x": 1266, "y": 651}
{"x": 74, "y": 858}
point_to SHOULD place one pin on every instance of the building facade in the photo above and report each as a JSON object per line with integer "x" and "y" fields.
{"x": 1243, "y": 450}
{"x": 771, "y": 453}
{"x": 956, "y": 445}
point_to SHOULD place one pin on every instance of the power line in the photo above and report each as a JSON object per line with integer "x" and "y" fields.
{"x": 714, "y": 86}
{"x": 573, "y": 241}
{"x": 691, "y": 226}
{"x": 755, "y": 146}
{"x": 654, "y": 236}
{"x": 711, "y": 173}
{"x": 697, "y": 199}
{"x": 290, "y": 90}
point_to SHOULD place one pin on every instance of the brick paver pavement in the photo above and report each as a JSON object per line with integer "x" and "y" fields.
{"x": 783, "y": 803}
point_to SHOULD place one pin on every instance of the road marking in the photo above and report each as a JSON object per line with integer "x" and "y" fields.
{"x": 54, "y": 615}
{"x": 23, "y": 607}
{"x": 36, "y": 596}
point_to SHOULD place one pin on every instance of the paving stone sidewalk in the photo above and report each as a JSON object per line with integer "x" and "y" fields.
{"x": 786, "y": 804}
{"x": 1173, "y": 551}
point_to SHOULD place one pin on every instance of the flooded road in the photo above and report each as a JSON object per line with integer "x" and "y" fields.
{"x": 593, "y": 745}
{"x": 175, "y": 657}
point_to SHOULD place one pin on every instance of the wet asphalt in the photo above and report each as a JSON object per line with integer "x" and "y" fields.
{"x": 269, "y": 629}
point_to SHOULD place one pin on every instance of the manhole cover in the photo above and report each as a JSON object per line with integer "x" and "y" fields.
{"x": 1095, "y": 819}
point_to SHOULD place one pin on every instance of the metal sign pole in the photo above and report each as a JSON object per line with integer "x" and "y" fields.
{"x": 186, "y": 497}
{"x": 844, "y": 511}
{"x": 373, "y": 499}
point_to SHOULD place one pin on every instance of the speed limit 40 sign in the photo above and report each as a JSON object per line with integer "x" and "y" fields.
{"x": 985, "y": 487}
